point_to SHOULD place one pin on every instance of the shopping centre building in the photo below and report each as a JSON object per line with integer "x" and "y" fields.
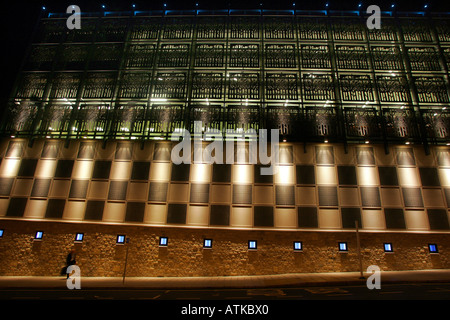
{"x": 364, "y": 158}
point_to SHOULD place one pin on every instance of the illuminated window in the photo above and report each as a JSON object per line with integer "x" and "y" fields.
{"x": 207, "y": 243}
{"x": 39, "y": 235}
{"x": 120, "y": 239}
{"x": 388, "y": 247}
{"x": 1, "y": 233}
{"x": 163, "y": 241}
{"x": 252, "y": 245}
{"x": 79, "y": 237}
{"x": 298, "y": 246}
{"x": 343, "y": 247}
{"x": 433, "y": 248}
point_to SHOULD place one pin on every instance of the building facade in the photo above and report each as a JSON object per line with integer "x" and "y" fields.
{"x": 362, "y": 116}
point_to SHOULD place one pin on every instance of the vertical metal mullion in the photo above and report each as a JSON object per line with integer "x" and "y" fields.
{"x": 415, "y": 99}
{"x": 375, "y": 86}
{"x": 336, "y": 84}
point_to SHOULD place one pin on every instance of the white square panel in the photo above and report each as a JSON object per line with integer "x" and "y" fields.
{"x": 242, "y": 173}
{"x": 45, "y": 169}
{"x": 160, "y": 171}
{"x": 326, "y": 175}
{"x": 444, "y": 177}
{"x": 82, "y": 169}
{"x": 408, "y": 177}
{"x": 285, "y": 175}
{"x": 9, "y": 167}
{"x": 367, "y": 176}
{"x": 120, "y": 170}
{"x": 200, "y": 172}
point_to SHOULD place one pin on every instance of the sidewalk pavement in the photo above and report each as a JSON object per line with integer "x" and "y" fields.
{"x": 283, "y": 280}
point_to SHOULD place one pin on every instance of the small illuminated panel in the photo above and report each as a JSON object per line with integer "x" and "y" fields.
{"x": 388, "y": 247}
{"x": 433, "y": 248}
{"x": 79, "y": 237}
{"x": 1, "y": 233}
{"x": 207, "y": 243}
{"x": 163, "y": 241}
{"x": 343, "y": 246}
{"x": 298, "y": 246}
{"x": 38, "y": 235}
{"x": 120, "y": 239}
{"x": 252, "y": 245}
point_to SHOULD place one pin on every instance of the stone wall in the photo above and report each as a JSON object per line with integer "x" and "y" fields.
{"x": 99, "y": 255}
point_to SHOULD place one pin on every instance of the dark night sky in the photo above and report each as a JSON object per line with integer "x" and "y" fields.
{"x": 19, "y": 17}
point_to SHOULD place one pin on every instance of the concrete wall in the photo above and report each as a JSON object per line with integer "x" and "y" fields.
{"x": 99, "y": 255}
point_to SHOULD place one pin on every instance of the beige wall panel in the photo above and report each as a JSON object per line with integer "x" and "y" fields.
{"x": 433, "y": 198}
{"x": 200, "y": 172}
{"x": 71, "y": 151}
{"x": 178, "y": 192}
{"x": 300, "y": 157}
{"x": 45, "y": 168}
{"x": 98, "y": 190}
{"x": 383, "y": 159}
{"x": 416, "y": 220}
{"x": 263, "y": 195}
{"x": 137, "y": 191}
{"x": 444, "y": 177}
{"x": 285, "y": 218}
{"x": 285, "y": 175}
{"x": 22, "y": 187}
{"x": 367, "y": 176}
{"x": 408, "y": 177}
{"x": 160, "y": 171}
{"x": 373, "y": 219}
{"x": 35, "y": 209}
{"x": 242, "y": 173}
{"x": 114, "y": 212}
{"x": 329, "y": 219}
{"x": 155, "y": 213}
{"x": 82, "y": 169}
{"x": 35, "y": 151}
{"x": 59, "y": 188}
{"x": 349, "y": 197}
{"x": 4, "y": 203}
{"x": 340, "y": 157}
{"x": 390, "y": 197}
{"x": 197, "y": 215}
{"x": 145, "y": 154}
{"x": 241, "y": 217}
{"x": 326, "y": 175}
{"x": 423, "y": 160}
{"x": 106, "y": 153}
{"x": 9, "y": 167}
{"x": 120, "y": 170}
{"x": 74, "y": 210}
{"x": 220, "y": 193}
{"x": 306, "y": 195}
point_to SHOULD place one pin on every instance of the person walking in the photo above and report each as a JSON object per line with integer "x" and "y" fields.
{"x": 70, "y": 260}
